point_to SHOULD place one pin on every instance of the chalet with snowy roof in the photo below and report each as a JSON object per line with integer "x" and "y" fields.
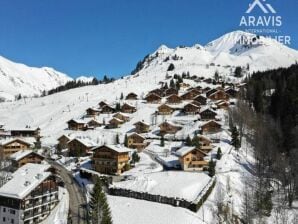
{"x": 11, "y": 146}
{"x": 107, "y": 109}
{"x": 232, "y": 92}
{"x": 25, "y": 132}
{"x": 211, "y": 127}
{"x": 207, "y": 114}
{"x": 191, "y": 158}
{"x": 210, "y": 91}
{"x": 80, "y": 147}
{"x": 62, "y": 142}
{"x": 23, "y": 157}
{"x": 209, "y": 80}
{"x": 131, "y": 96}
{"x": 201, "y": 99}
{"x": 141, "y": 127}
{"x": 168, "y": 127}
{"x": 121, "y": 116}
{"x": 205, "y": 143}
{"x": 93, "y": 123}
{"x": 191, "y": 109}
{"x": 114, "y": 123}
{"x": 136, "y": 141}
{"x": 29, "y": 196}
{"x": 127, "y": 108}
{"x": 222, "y": 104}
{"x": 153, "y": 98}
{"x": 102, "y": 104}
{"x": 184, "y": 85}
{"x": 110, "y": 159}
{"x": 170, "y": 91}
{"x": 190, "y": 94}
{"x": 174, "y": 99}
{"x": 165, "y": 109}
{"x": 92, "y": 111}
{"x": 206, "y": 89}
{"x": 158, "y": 92}
{"x": 219, "y": 95}
{"x": 76, "y": 125}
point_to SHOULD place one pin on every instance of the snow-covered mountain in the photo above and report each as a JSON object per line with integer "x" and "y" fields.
{"x": 223, "y": 55}
{"x": 84, "y": 79}
{"x": 21, "y": 79}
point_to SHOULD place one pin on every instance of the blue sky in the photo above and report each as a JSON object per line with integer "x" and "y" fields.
{"x": 97, "y": 37}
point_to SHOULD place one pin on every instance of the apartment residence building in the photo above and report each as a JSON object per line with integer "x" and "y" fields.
{"x": 29, "y": 196}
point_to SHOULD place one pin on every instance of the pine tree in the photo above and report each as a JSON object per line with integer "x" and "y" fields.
{"x": 195, "y": 141}
{"x": 216, "y": 76}
{"x": 235, "y": 138}
{"x": 118, "y": 107}
{"x": 166, "y": 86}
{"x": 126, "y": 141}
{"x": 188, "y": 141}
{"x": 117, "y": 139}
{"x": 211, "y": 168}
{"x": 162, "y": 141}
{"x": 171, "y": 67}
{"x": 218, "y": 154}
{"x": 172, "y": 84}
{"x": 121, "y": 96}
{"x": 135, "y": 157}
{"x": 99, "y": 211}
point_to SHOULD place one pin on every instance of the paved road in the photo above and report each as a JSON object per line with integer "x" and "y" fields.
{"x": 77, "y": 201}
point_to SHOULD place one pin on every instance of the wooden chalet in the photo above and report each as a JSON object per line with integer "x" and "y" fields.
{"x": 62, "y": 142}
{"x": 211, "y": 127}
{"x": 170, "y": 91}
{"x": 192, "y": 158}
{"x": 184, "y": 85}
{"x": 201, "y": 99}
{"x": 102, "y": 104}
{"x": 114, "y": 123}
{"x": 11, "y": 146}
{"x": 131, "y": 96}
{"x": 141, "y": 127}
{"x": 222, "y": 104}
{"x": 208, "y": 114}
{"x": 23, "y": 157}
{"x": 190, "y": 94}
{"x": 25, "y": 132}
{"x": 136, "y": 141}
{"x": 219, "y": 95}
{"x": 191, "y": 109}
{"x": 107, "y": 109}
{"x": 127, "y": 108}
{"x": 76, "y": 125}
{"x": 210, "y": 91}
{"x": 165, "y": 109}
{"x": 121, "y": 116}
{"x": 174, "y": 99}
{"x": 168, "y": 127}
{"x": 206, "y": 89}
{"x": 209, "y": 80}
{"x": 80, "y": 147}
{"x": 158, "y": 92}
{"x": 93, "y": 123}
{"x": 153, "y": 98}
{"x": 232, "y": 92}
{"x": 92, "y": 111}
{"x": 110, "y": 159}
{"x": 205, "y": 143}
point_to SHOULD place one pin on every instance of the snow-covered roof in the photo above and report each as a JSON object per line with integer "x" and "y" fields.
{"x": 20, "y": 154}
{"x": 78, "y": 121}
{"x": 117, "y": 148}
{"x": 184, "y": 150}
{"x": 24, "y": 180}
{"x": 9, "y": 140}
{"x": 85, "y": 141}
{"x": 134, "y": 133}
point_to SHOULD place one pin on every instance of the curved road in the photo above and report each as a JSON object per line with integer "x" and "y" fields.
{"x": 77, "y": 200}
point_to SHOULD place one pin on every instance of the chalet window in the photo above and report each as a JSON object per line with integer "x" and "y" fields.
{"x": 3, "y": 219}
{"x": 12, "y": 212}
{"x": 4, "y": 209}
{"x": 12, "y": 221}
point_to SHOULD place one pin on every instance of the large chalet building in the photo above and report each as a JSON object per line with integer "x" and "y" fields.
{"x": 23, "y": 157}
{"x": 191, "y": 158}
{"x": 80, "y": 147}
{"x": 110, "y": 159}
{"x": 141, "y": 127}
{"x": 29, "y": 196}
{"x": 168, "y": 127}
{"x": 11, "y": 146}
{"x": 136, "y": 141}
